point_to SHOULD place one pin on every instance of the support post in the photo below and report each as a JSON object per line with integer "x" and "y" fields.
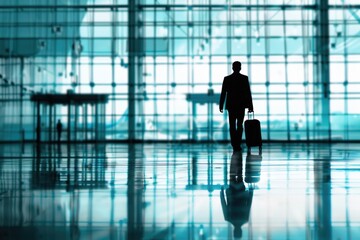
{"x": 50, "y": 122}
{"x": 103, "y": 121}
{"x": 135, "y": 71}
{"x": 86, "y": 121}
{"x": 76, "y": 126}
{"x": 194, "y": 130}
{"x": 22, "y": 67}
{"x": 96, "y": 122}
{"x": 38, "y": 123}
{"x": 132, "y": 68}
{"x": 322, "y": 73}
{"x": 69, "y": 124}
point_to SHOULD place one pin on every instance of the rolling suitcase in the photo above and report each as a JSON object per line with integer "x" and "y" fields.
{"x": 253, "y": 133}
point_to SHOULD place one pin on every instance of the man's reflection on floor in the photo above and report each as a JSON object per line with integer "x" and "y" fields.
{"x": 237, "y": 203}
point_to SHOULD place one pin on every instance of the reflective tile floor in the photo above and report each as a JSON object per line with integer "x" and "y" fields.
{"x": 179, "y": 191}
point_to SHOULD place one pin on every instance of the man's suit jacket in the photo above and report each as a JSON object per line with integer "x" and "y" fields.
{"x": 237, "y": 205}
{"x": 236, "y": 90}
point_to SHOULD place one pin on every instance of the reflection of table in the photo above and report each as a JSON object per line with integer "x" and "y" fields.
{"x": 72, "y": 101}
{"x": 209, "y": 98}
{"x": 54, "y": 168}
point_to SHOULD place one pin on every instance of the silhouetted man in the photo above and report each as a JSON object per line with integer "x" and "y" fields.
{"x": 237, "y": 205}
{"x": 59, "y": 129}
{"x": 236, "y": 91}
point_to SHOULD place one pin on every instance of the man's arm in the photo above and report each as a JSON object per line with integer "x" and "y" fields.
{"x": 250, "y": 103}
{"x": 222, "y": 96}
{"x": 224, "y": 205}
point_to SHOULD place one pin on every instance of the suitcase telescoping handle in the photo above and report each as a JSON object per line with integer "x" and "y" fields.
{"x": 253, "y": 115}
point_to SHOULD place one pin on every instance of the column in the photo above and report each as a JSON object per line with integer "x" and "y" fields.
{"x": 96, "y": 121}
{"x": 132, "y": 68}
{"x": 86, "y": 122}
{"x": 69, "y": 123}
{"x": 135, "y": 74}
{"x": 50, "y": 122}
{"x": 321, "y": 72}
{"x": 194, "y": 130}
{"x": 38, "y": 123}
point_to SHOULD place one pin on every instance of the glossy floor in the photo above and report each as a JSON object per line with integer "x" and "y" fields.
{"x": 179, "y": 191}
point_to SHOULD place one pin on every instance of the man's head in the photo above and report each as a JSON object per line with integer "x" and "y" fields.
{"x": 237, "y": 232}
{"x": 236, "y": 66}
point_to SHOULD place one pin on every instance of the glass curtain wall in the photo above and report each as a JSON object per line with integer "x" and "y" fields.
{"x": 163, "y": 61}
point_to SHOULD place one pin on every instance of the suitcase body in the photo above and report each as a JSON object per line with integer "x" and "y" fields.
{"x": 253, "y": 133}
{"x": 253, "y": 168}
